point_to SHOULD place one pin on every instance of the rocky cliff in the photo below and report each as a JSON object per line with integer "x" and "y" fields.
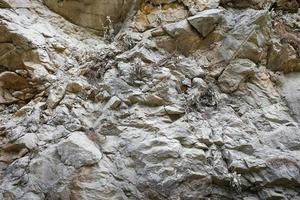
{"x": 150, "y": 99}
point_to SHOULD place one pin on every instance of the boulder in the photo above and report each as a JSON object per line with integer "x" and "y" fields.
{"x": 184, "y": 36}
{"x": 56, "y": 95}
{"x": 235, "y": 73}
{"x": 248, "y": 36}
{"x": 11, "y": 80}
{"x": 78, "y": 151}
{"x": 206, "y": 21}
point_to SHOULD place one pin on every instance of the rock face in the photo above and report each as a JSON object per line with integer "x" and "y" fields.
{"x": 192, "y": 99}
{"x": 94, "y": 14}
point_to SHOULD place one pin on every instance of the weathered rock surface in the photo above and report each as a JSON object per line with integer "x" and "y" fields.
{"x": 185, "y": 38}
{"x": 235, "y": 73}
{"x": 93, "y": 14}
{"x": 78, "y": 151}
{"x": 190, "y": 100}
{"x": 206, "y": 21}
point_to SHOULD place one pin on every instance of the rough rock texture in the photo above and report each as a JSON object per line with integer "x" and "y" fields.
{"x": 182, "y": 103}
{"x": 206, "y": 21}
{"x": 94, "y": 14}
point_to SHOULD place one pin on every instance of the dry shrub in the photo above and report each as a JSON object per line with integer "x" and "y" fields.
{"x": 95, "y": 66}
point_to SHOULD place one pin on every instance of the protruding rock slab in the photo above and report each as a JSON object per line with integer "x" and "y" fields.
{"x": 206, "y": 21}
{"x": 92, "y": 13}
{"x": 291, "y": 91}
{"x": 186, "y": 39}
{"x": 235, "y": 73}
{"x": 78, "y": 151}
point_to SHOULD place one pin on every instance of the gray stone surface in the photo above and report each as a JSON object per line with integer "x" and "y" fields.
{"x": 78, "y": 151}
{"x": 93, "y": 14}
{"x": 157, "y": 112}
{"x": 206, "y": 21}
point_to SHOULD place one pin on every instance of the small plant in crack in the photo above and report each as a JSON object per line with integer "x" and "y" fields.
{"x": 159, "y": 18}
{"x": 96, "y": 66}
{"x": 109, "y": 30}
{"x": 206, "y": 98}
{"x": 138, "y": 73}
{"x": 127, "y": 42}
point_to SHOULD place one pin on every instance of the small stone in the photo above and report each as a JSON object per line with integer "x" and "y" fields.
{"x": 58, "y": 46}
{"x": 55, "y": 96}
{"x": 113, "y": 103}
{"x": 74, "y": 87}
{"x": 200, "y": 83}
{"x": 174, "y": 110}
{"x": 194, "y": 153}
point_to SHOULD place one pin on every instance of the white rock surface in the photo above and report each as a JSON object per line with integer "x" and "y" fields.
{"x": 77, "y": 151}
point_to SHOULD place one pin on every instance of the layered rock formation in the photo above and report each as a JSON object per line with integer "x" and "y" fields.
{"x": 191, "y": 99}
{"x": 94, "y": 14}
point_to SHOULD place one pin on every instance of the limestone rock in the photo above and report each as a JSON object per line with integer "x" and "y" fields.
{"x": 197, "y": 154}
{"x": 174, "y": 110}
{"x": 6, "y": 97}
{"x": 158, "y": 2}
{"x": 113, "y": 103}
{"x": 248, "y": 36}
{"x": 188, "y": 67}
{"x": 77, "y": 150}
{"x": 283, "y": 58}
{"x": 55, "y": 96}
{"x": 11, "y": 80}
{"x": 235, "y": 73}
{"x": 185, "y": 38}
{"x": 74, "y": 87}
{"x": 15, "y": 4}
{"x": 93, "y": 14}
{"x": 206, "y": 21}
{"x": 157, "y": 112}
{"x": 290, "y": 89}
{"x": 4, "y": 4}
